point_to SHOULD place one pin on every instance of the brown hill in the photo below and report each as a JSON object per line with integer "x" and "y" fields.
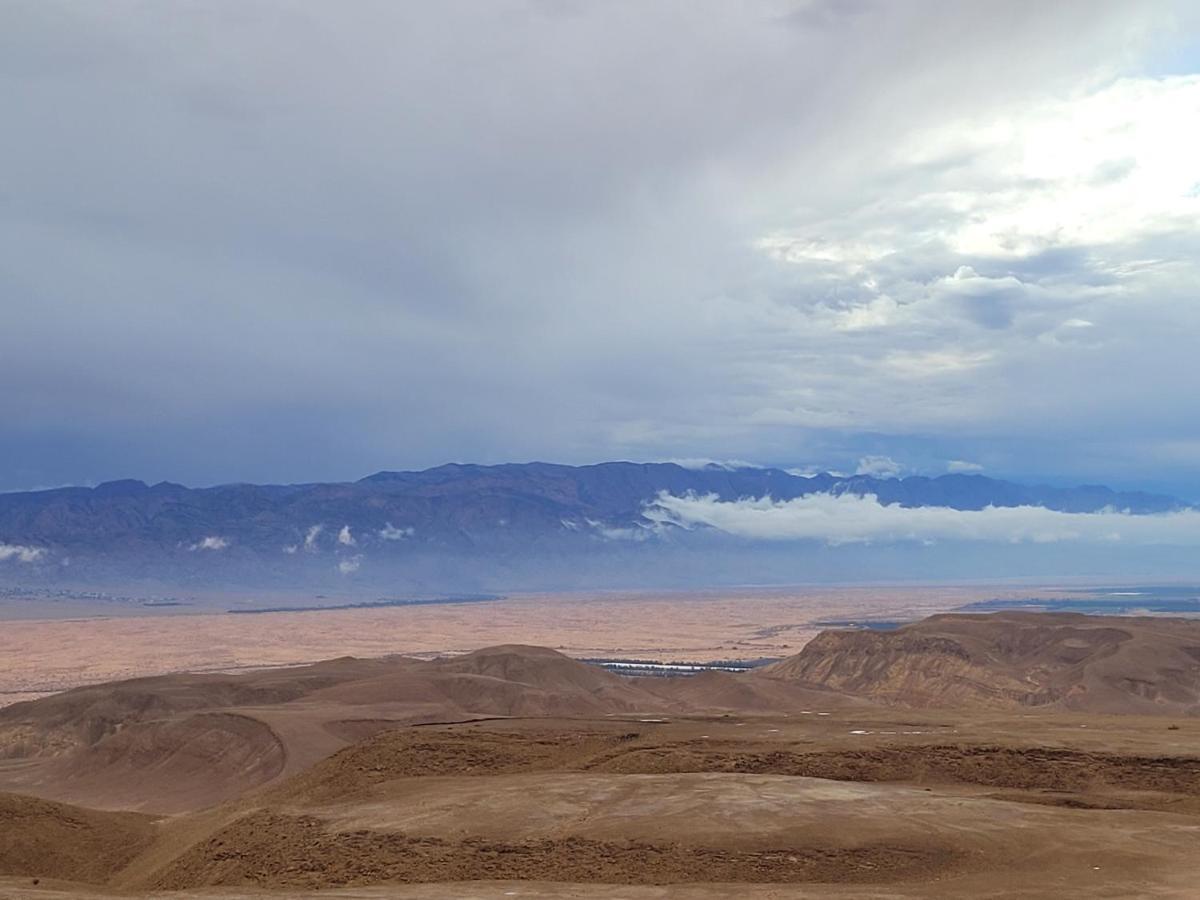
{"x": 81, "y": 717}
{"x": 611, "y": 803}
{"x": 183, "y": 742}
{"x": 168, "y": 766}
{"x": 336, "y": 777}
{"x": 52, "y": 839}
{"x": 746, "y": 694}
{"x": 509, "y": 680}
{"x": 534, "y": 666}
{"x": 1009, "y": 660}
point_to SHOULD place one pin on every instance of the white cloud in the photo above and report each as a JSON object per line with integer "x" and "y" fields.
{"x": 614, "y": 533}
{"x": 854, "y": 253}
{"x": 291, "y": 549}
{"x": 810, "y": 471}
{"x": 1033, "y": 243}
{"x": 849, "y": 519}
{"x": 351, "y": 565}
{"x": 876, "y": 313}
{"x": 879, "y": 467}
{"x": 702, "y": 462}
{"x": 1102, "y": 168}
{"x": 934, "y": 363}
{"x": 21, "y": 553}
{"x": 1072, "y": 333}
{"x": 390, "y": 532}
{"x": 310, "y": 537}
{"x": 962, "y": 467}
{"x": 212, "y": 542}
{"x": 345, "y": 538}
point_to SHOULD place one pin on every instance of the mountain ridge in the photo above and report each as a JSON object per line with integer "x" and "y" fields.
{"x": 1012, "y": 659}
{"x": 455, "y": 510}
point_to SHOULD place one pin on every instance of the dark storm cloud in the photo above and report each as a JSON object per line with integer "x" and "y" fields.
{"x": 279, "y": 241}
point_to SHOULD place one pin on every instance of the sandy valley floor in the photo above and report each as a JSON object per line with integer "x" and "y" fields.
{"x": 42, "y": 655}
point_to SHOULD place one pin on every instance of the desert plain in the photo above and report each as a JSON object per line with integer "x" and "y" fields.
{"x": 1014, "y": 754}
{"x": 44, "y": 649}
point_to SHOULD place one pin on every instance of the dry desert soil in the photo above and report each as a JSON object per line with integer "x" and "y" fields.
{"x": 50, "y": 646}
{"x": 1007, "y": 755}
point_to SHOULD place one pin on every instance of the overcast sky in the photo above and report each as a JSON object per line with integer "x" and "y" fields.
{"x": 286, "y": 241}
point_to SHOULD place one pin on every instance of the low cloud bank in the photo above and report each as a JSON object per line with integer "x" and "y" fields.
{"x": 310, "y": 538}
{"x": 21, "y": 553}
{"x": 704, "y": 462}
{"x": 849, "y": 519}
{"x": 212, "y": 542}
{"x": 390, "y": 532}
{"x": 613, "y": 533}
{"x": 879, "y": 467}
{"x": 963, "y": 467}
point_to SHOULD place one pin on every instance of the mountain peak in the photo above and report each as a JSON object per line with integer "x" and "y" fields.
{"x": 123, "y": 486}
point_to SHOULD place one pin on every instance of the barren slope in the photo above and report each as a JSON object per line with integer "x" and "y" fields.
{"x": 743, "y": 802}
{"x": 1010, "y": 660}
{"x": 183, "y": 742}
{"x": 40, "y": 838}
{"x": 564, "y": 779}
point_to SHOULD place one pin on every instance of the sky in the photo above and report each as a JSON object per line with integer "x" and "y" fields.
{"x": 298, "y": 241}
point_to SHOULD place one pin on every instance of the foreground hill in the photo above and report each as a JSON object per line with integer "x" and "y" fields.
{"x": 516, "y": 770}
{"x": 41, "y": 838}
{"x": 182, "y": 742}
{"x": 178, "y": 742}
{"x": 409, "y": 523}
{"x": 835, "y": 806}
{"x": 1011, "y": 660}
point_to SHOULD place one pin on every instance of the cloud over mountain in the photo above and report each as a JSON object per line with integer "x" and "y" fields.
{"x": 20, "y": 553}
{"x": 850, "y": 519}
{"x": 210, "y": 542}
{"x": 470, "y": 527}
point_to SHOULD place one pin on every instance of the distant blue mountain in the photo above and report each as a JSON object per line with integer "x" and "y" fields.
{"x": 282, "y": 531}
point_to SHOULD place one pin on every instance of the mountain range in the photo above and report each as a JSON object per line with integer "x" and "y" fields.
{"x": 452, "y": 512}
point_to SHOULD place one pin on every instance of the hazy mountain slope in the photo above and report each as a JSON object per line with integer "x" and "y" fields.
{"x": 511, "y": 513}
